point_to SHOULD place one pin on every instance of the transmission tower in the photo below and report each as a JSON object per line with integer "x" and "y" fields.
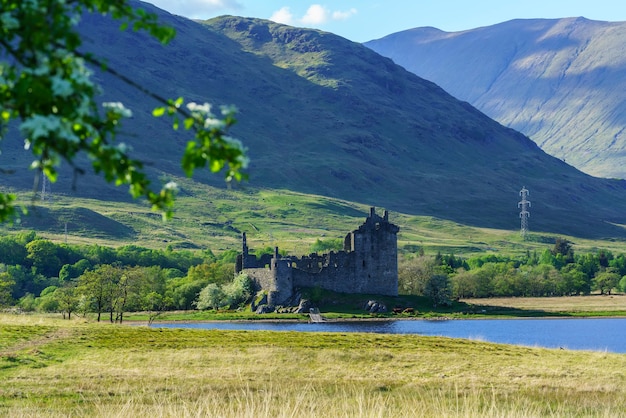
{"x": 524, "y": 213}
{"x": 45, "y": 187}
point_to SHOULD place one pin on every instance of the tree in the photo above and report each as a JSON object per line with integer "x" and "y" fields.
{"x": 155, "y": 304}
{"x": 438, "y": 290}
{"x": 184, "y": 293}
{"x": 606, "y": 281}
{"x": 619, "y": 264}
{"x": 28, "y": 281}
{"x": 219, "y": 273}
{"x": 238, "y": 291}
{"x": 27, "y": 303}
{"x": 414, "y": 273}
{"x": 574, "y": 280}
{"x": 42, "y": 254}
{"x": 47, "y": 89}
{"x": 210, "y": 297}
{"x": 564, "y": 248}
{"x": 6, "y": 287}
{"x": 73, "y": 271}
{"x": 67, "y": 299}
{"x": 47, "y": 302}
{"x": 99, "y": 288}
{"x": 11, "y": 251}
{"x": 463, "y": 285}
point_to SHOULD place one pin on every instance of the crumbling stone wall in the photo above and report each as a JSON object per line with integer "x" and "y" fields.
{"x": 367, "y": 264}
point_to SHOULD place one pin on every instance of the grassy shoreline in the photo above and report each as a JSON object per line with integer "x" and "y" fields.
{"x": 51, "y": 367}
{"x": 348, "y": 307}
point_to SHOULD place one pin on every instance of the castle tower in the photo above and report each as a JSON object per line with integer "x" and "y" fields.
{"x": 281, "y": 288}
{"x": 240, "y": 262}
{"x": 375, "y": 251}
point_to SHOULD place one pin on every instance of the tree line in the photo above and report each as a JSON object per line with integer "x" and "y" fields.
{"x": 556, "y": 271}
{"x": 37, "y": 274}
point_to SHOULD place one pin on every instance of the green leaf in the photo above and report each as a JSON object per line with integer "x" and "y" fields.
{"x": 158, "y": 112}
{"x": 188, "y": 123}
{"x": 216, "y": 165}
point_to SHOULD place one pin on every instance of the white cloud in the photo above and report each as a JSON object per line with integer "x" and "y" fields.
{"x": 343, "y": 15}
{"x": 315, "y": 15}
{"x": 283, "y": 16}
{"x": 197, "y": 9}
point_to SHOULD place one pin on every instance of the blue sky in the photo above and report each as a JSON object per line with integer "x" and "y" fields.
{"x": 364, "y": 20}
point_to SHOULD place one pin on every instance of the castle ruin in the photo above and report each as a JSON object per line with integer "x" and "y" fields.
{"x": 368, "y": 263}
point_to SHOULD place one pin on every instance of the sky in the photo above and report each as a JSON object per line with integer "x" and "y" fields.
{"x": 365, "y": 20}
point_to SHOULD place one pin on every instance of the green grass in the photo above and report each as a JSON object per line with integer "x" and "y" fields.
{"x": 336, "y": 306}
{"x": 290, "y": 220}
{"x": 69, "y": 368}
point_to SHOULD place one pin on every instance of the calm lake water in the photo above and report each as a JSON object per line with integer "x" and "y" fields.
{"x": 598, "y": 334}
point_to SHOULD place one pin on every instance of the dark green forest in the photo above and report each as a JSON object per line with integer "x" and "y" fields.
{"x": 37, "y": 274}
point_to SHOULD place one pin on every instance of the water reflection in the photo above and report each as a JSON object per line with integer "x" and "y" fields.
{"x": 599, "y": 334}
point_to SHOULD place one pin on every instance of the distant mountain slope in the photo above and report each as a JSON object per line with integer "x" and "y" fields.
{"x": 324, "y": 115}
{"x": 560, "y": 81}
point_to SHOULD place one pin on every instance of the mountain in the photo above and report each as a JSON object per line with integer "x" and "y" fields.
{"x": 559, "y": 81}
{"x": 326, "y": 116}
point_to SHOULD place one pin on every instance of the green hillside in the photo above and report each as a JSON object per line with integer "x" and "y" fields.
{"x": 326, "y": 117}
{"x": 213, "y": 218}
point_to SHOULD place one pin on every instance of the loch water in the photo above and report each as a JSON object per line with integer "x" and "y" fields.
{"x": 597, "y": 334}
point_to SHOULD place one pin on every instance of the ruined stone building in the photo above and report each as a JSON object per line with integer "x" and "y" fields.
{"x": 368, "y": 263}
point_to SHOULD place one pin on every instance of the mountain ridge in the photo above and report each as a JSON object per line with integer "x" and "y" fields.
{"x": 326, "y": 116}
{"x": 556, "y": 80}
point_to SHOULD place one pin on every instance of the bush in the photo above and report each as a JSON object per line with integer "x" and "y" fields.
{"x": 239, "y": 291}
{"x": 210, "y": 297}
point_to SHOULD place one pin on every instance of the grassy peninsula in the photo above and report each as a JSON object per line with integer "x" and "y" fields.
{"x": 50, "y": 367}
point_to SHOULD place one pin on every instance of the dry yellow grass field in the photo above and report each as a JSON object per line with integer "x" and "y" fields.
{"x": 592, "y": 303}
{"x": 55, "y": 368}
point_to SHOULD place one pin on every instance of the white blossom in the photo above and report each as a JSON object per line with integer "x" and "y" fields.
{"x": 232, "y": 142}
{"x": 214, "y": 123}
{"x": 173, "y": 186}
{"x": 118, "y": 107}
{"x": 204, "y": 109}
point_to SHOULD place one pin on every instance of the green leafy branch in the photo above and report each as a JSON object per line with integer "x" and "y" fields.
{"x": 46, "y": 85}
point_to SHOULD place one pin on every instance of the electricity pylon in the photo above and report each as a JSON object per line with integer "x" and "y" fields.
{"x": 45, "y": 188}
{"x": 524, "y": 213}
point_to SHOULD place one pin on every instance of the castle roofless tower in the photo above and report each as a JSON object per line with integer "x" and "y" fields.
{"x": 367, "y": 264}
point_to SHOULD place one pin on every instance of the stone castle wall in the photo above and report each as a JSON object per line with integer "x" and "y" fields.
{"x": 367, "y": 264}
